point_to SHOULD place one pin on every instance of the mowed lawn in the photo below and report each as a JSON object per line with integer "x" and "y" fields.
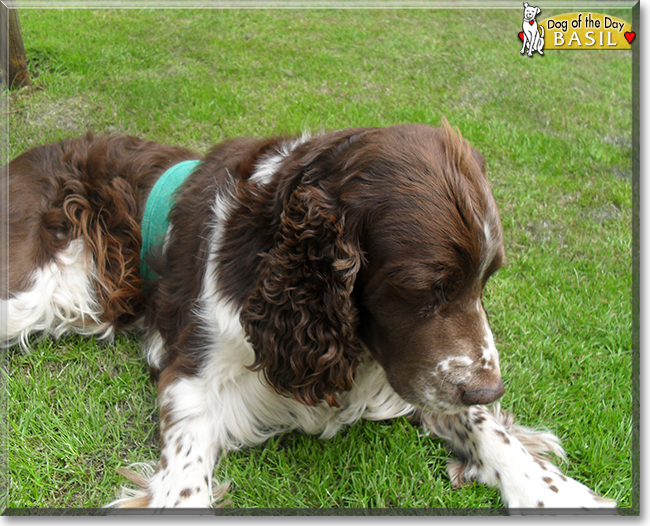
{"x": 555, "y": 132}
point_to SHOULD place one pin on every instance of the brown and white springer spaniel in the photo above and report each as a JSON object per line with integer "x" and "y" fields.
{"x": 303, "y": 284}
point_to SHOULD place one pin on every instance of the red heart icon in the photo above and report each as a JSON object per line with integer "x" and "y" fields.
{"x": 531, "y": 22}
{"x": 629, "y": 36}
{"x": 521, "y": 35}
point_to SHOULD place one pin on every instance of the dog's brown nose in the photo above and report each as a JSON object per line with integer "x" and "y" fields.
{"x": 484, "y": 395}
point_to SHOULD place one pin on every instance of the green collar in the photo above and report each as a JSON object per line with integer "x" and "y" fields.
{"x": 155, "y": 220}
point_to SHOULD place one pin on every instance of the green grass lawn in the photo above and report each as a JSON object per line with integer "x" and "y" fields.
{"x": 556, "y": 135}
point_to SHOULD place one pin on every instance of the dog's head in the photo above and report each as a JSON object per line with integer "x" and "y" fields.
{"x": 386, "y": 244}
{"x": 530, "y": 12}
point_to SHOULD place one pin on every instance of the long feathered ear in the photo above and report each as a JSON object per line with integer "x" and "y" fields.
{"x": 300, "y": 318}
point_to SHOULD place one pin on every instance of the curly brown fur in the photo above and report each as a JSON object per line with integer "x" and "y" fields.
{"x": 91, "y": 188}
{"x": 300, "y": 318}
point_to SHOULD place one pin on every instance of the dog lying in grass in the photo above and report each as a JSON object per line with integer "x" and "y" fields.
{"x": 291, "y": 283}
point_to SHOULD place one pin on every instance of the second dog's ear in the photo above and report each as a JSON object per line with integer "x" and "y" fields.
{"x": 538, "y": 11}
{"x": 525, "y": 5}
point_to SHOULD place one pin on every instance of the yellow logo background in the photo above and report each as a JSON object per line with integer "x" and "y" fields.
{"x": 585, "y": 31}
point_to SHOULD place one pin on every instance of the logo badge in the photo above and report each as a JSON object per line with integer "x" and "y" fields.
{"x": 573, "y": 31}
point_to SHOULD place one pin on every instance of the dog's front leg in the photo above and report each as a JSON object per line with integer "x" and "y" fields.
{"x": 533, "y": 43}
{"x": 190, "y": 447}
{"x": 497, "y": 453}
{"x": 187, "y": 459}
{"x": 539, "y": 45}
{"x": 523, "y": 47}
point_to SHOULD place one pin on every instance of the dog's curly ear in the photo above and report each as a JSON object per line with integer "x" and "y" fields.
{"x": 300, "y": 318}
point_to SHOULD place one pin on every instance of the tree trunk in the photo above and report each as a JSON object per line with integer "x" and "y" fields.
{"x": 12, "y": 50}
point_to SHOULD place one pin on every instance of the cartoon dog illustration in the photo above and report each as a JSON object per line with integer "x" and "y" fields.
{"x": 531, "y": 33}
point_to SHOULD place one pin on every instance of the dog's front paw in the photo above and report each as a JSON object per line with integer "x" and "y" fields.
{"x": 547, "y": 487}
{"x": 155, "y": 489}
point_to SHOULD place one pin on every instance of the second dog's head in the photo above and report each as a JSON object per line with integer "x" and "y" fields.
{"x": 530, "y": 12}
